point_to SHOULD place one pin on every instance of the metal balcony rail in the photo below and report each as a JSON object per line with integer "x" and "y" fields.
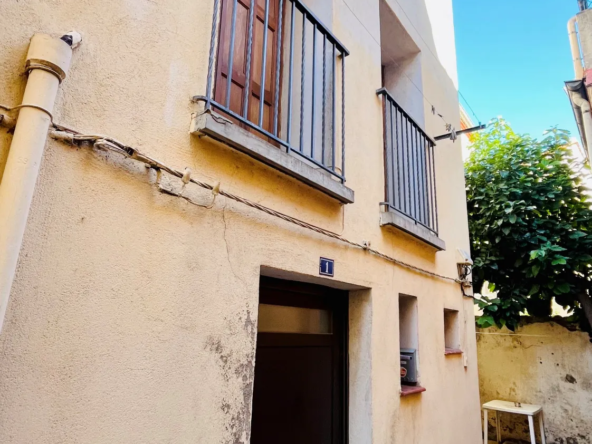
{"x": 410, "y": 184}
{"x": 584, "y": 4}
{"x": 277, "y": 73}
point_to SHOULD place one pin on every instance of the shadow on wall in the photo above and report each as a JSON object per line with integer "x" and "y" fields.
{"x": 543, "y": 364}
{"x": 411, "y": 57}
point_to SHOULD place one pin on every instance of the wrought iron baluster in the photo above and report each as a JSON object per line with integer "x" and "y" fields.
{"x": 302, "y": 82}
{"x": 213, "y": 40}
{"x": 290, "y": 76}
{"x": 231, "y": 53}
{"x": 278, "y": 50}
{"x": 413, "y": 181}
{"x": 247, "y": 91}
{"x": 324, "y": 109}
{"x": 264, "y": 63}
{"x": 391, "y": 149}
{"x": 394, "y": 160}
{"x": 398, "y": 154}
{"x": 333, "y": 109}
{"x": 436, "y": 227}
{"x": 416, "y": 172}
{"x": 430, "y": 186}
{"x": 342, "y": 117}
{"x": 424, "y": 181}
{"x": 407, "y": 181}
{"x": 314, "y": 84}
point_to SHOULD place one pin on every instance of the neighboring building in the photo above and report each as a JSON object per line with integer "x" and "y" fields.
{"x": 137, "y": 317}
{"x": 579, "y": 90}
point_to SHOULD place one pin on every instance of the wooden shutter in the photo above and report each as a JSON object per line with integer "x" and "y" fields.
{"x": 239, "y": 74}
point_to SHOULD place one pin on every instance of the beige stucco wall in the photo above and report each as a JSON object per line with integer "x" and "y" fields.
{"x": 133, "y": 315}
{"x": 543, "y": 364}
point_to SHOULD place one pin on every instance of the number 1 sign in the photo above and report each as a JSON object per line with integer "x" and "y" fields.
{"x": 327, "y": 267}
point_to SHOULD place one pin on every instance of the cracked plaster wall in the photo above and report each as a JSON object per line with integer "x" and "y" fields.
{"x": 133, "y": 314}
{"x": 552, "y": 367}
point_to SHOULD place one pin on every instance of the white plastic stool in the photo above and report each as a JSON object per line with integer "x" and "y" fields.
{"x": 510, "y": 407}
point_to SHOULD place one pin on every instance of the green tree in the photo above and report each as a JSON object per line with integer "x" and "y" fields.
{"x": 531, "y": 225}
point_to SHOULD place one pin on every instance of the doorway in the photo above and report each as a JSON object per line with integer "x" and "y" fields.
{"x": 300, "y": 391}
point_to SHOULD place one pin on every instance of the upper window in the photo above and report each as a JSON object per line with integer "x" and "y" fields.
{"x": 279, "y": 73}
{"x": 410, "y": 182}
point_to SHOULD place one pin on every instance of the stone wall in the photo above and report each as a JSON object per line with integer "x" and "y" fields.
{"x": 544, "y": 364}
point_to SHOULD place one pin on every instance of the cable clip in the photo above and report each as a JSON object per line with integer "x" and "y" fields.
{"x": 7, "y": 122}
{"x": 216, "y": 189}
{"x": 215, "y": 192}
{"x": 186, "y": 178}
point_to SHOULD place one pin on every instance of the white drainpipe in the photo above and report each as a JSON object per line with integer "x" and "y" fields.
{"x": 586, "y": 118}
{"x": 577, "y": 99}
{"x": 575, "y": 48}
{"x": 48, "y": 61}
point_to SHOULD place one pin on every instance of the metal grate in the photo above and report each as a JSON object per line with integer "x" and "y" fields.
{"x": 293, "y": 66}
{"x": 410, "y": 184}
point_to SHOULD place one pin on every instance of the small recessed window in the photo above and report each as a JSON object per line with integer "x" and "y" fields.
{"x": 408, "y": 322}
{"x": 451, "y": 332}
{"x": 409, "y": 344}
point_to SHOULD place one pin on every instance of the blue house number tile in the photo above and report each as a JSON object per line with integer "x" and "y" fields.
{"x": 327, "y": 267}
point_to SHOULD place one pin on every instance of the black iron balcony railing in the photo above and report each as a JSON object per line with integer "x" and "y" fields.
{"x": 276, "y": 70}
{"x": 410, "y": 184}
{"x": 584, "y": 4}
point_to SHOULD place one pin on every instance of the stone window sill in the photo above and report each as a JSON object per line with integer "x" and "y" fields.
{"x": 409, "y": 226}
{"x": 225, "y": 131}
{"x": 452, "y": 351}
{"x": 408, "y": 390}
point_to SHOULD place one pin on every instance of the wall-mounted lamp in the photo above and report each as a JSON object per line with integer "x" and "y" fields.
{"x": 464, "y": 264}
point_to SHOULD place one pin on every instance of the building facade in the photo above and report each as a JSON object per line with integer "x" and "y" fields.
{"x": 285, "y": 271}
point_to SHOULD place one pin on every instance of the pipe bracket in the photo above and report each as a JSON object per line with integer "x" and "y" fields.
{"x": 45, "y": 66}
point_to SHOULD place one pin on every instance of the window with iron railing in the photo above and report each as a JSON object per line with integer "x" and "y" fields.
{"x": 410, "y": 179}
{"x": 278, "y": 72}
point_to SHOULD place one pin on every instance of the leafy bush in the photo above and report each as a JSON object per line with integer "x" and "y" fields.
{"x": 530, "y": 223}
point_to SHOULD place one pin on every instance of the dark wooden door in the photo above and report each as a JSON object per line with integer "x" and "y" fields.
{"x": 239, "y": 66}
{"x": 300, "y": 392}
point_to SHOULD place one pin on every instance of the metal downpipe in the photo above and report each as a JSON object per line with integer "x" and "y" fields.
{"x": 574, "y": 44}
{"x": 584, "y": 106}
{"x": 48, "y": 61}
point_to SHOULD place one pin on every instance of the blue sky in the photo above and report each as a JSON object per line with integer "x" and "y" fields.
{"x": 513, "y": 57}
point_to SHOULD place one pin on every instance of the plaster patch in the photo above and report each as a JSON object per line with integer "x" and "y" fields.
{"x": 174, "y": 81}
{"x": 238, "y": 368}
{"x": 139, "y": 9}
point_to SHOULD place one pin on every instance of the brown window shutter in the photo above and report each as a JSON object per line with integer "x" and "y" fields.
{"x": 239, "y": 74}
